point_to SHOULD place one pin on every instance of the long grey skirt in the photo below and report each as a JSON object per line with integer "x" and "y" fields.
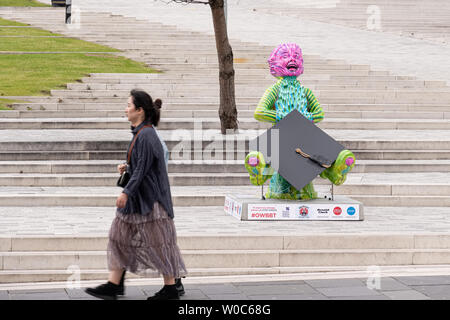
{"x": 145, "y": 244}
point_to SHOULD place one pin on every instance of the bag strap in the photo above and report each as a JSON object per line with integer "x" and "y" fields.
{"x": 134, "y": 140}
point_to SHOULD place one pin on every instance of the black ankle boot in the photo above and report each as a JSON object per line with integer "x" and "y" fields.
{"x": 107, "y": 291}
{"x": 168, "y": 292}
{"x": 179, "y": 286}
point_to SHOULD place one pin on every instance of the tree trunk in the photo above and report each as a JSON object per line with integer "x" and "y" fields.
{"x": 227, "y": 109}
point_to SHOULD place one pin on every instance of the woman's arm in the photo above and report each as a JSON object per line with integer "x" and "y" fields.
{"x": 144, "y": 153}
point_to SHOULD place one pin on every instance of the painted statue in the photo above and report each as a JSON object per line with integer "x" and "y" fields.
{"x": 287, "y": 94}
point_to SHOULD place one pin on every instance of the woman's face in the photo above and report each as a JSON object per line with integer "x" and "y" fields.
{"x": 134, "y": 115}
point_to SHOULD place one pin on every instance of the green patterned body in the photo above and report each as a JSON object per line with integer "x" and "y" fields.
{"x": 284, "y": 96}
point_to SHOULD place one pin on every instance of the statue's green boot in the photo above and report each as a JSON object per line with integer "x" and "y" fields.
{"x": 337, "y": 173}
{"x": 280, "y": 188}
{"x": 308, "y": 192}
{"x": 283, "y": 196}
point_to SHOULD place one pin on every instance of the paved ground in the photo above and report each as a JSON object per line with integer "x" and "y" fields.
{"x": 386, "y": 288}
{"x": 96, "y": 221}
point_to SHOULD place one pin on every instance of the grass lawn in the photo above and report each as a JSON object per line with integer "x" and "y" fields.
{"x": 20, "y": 39}
{"x": 5, "y": 102}
{"x": 22, "y": 3}
{"x": 51, "y": 45}
{"x": 26, "y": 32}
{"x": 37, "y": 74}
{"x": 4, "y": 22}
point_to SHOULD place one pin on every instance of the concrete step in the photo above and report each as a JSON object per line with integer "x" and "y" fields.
{"x": 353, "y": 116}
{"x": 380, "y": 76}
{"x": 380, "y": 183}
{"x": 110, "y": 96}
{"x": 260, "y": 58}
{"x": 215, "y": 100}
{"x": 200, "y": 166}
{"x": 172, "y": 78}
{"x": 63, "y": 155}
{"x": 400, "y": 184}
{"x": 214, "y": 123}
{"x": 236, "y": 258}
{"x": 57, "y": 114}
{"x": 243, "y": 64}
{"x": 246, "y": 64}
{"x": 263, "y": 72}
{"x": 378, "y": 96}
{"x": 249, "y": 86}
{"x": 100, "y": 106}
{"x": 266, "y": 82}
{"x": 211, "y": 140}
{"x": 39, "y": 276}
{"x": 244, "y": 115}
{"x": 187, "y": 196}
{"x": 173, "y": 75}
{"x": 131, "y": 46}
{"x": 181, "y": 84}
{"x": 244, "y": 90}
{"x": 17, "y": 279}
{"x": 320, "y": 241}
{"x": 220, "y": 155}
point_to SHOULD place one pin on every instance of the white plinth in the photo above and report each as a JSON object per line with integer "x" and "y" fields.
{"x": 248, "y": 208}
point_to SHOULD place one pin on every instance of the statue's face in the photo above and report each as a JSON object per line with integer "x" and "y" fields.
{"x": 286, "y": 61}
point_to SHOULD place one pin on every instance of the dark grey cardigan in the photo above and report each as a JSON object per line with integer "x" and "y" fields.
{"x": 149, "y": 181}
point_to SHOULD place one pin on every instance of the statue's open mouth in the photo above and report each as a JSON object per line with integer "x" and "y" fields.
{"x": 292, "y": 66}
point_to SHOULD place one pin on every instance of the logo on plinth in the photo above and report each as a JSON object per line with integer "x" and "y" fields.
{"x": 351, "y": 211}
{"x": 303, "y": 211}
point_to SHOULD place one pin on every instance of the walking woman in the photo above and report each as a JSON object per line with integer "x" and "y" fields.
{"x": 142, "y": 238}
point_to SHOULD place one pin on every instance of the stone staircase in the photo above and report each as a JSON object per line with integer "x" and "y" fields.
{"x": 34, "y": 259}
{"x": 425, "y": 20}
{"x": 62, "y": 151}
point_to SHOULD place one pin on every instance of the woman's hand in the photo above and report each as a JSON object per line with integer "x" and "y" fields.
{"x": 122, "y": 200}
{"x": 121, "y": 168}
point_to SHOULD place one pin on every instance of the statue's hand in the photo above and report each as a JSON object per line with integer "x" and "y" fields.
{"x": 257, "y": 168}
{"x": 337, "y": 173}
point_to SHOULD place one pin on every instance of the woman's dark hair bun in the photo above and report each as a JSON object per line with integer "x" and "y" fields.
{"x": 158, "y": 103}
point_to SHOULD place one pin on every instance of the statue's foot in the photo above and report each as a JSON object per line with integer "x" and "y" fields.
{"x": 337, "y": 173}
{"x": 282, "y": 196}
{"x": 308, "y": 192}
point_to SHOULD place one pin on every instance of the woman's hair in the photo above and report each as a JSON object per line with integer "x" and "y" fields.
{"x": 142, "y": 99}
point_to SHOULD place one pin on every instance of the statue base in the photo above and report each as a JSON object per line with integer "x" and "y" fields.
{"x": 248, "y": 208}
